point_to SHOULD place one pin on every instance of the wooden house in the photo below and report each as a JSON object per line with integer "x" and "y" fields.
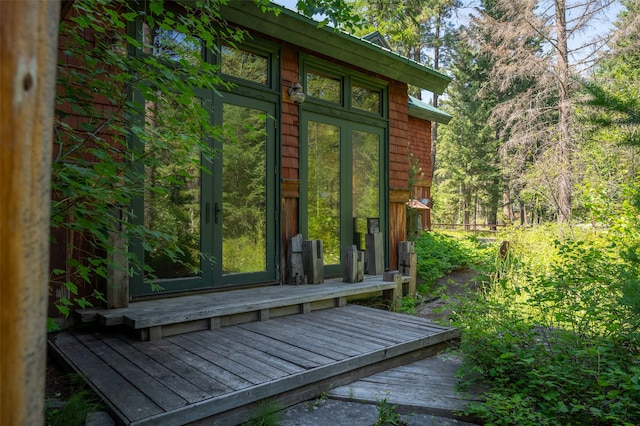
{"x": 318, "y": 146}
{"x": 340, "y": 138}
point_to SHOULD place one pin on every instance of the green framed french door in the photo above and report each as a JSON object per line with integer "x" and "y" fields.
{"x": 244, "y": 195}
{"x": 342, "y": 169}
{"x": 221, "y": 210}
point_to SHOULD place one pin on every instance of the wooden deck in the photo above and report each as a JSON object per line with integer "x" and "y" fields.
{"x": 155, "y": 319}
{"x": 219, "y": 375}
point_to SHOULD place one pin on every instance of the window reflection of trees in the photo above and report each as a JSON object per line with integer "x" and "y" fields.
{"x": 365, "y": 180}
{"x": 365, "y": 99}
{"x": 170, "y": 44}
{"x": 324, "y": 189}
{"x": 245, "y": 65}
{"x": 244, "y": 190}
{"x": 323, "y": 87}
{"x": 172, "y": 195}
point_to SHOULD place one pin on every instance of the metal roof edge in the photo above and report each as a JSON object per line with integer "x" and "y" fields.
{"x": 304, "y": 32}
{"x": 420, "y": 109}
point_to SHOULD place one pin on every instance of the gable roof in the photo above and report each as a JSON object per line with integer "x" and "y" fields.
{"x": 304, "y": 32}
{"x": 377, "y": 38}
{"x": 420, "y": 109}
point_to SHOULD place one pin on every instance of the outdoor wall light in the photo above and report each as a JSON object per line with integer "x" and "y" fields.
{"x": 117, "y": 44}
{"x": 296, "y": 93}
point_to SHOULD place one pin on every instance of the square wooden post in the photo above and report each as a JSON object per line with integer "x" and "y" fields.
{"x": 353, "y": 266}
{"x": 313, "y": 261}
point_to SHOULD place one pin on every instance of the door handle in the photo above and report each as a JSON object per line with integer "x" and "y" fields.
{"x": 216, "y": 210}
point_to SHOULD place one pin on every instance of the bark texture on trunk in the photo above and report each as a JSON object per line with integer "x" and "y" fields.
{"x": 28, "y": 43}
{"x": 564, "y": 145}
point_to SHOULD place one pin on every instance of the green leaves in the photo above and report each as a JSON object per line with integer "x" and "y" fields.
{"x": 98, "y": 171}
{"x": 439, "y": 254}
{"x": 565, "y": 350}
{"x": 340, "y": 13}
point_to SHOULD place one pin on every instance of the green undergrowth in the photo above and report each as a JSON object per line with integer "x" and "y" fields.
{"x": 268, "y": 413}
{"x": 555, "y": 329}
{"x": 74, "y": 411}
{"x": 439, "y": 253}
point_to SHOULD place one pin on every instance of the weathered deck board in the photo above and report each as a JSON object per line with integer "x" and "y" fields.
{"x": 365, "y": 328}
{"x": 368, "y": 336}
{"x": 219, "y": 370}
{"x": 182, "y": 387}
{"x": 328, "y": 335}
{"x": 210, "y": 354}
{"x": 316, "y": 351}
{"x": 186, "y": 368}
{"x": 162, "y": 395}
{"x": 125, "y": 401}
{"x": 425, "y": 386}
{"x": 158, "y": 312}
{"x": 236, "y": 343}
{"x": 240, "y": 355}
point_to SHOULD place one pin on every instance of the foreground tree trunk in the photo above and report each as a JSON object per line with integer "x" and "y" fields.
{"x": 28, "y": 41}
{"x": 564, "y": 146}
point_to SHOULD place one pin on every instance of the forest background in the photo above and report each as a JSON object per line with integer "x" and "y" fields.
{"x": 545, "y": 99}
{"x": 525, "y": 144}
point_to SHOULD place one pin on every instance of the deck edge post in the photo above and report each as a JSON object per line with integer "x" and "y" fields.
{"x": 263, "y": 314}
{"x": 214, "y": 323}
{"x": 28, "y": 52}
{"x": 155, "y": 333}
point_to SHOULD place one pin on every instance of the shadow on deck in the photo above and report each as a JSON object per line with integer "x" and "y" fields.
{"x": 219, "y": 375}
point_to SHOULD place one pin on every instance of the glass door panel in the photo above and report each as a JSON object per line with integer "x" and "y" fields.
{"x": 244, "y": 193}
{"x": 365, "y": 181}
{"x": 244, "y": 190}
{"x": 342, "y": 184}
{"x": 172, "y": 208}
{"x": 323, "y": 204}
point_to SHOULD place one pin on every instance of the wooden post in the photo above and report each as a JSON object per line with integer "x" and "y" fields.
{"x": 118, "y": 273}
{"x": 374, "y": 253}
{"x": 353, "y": 265}
{"x": 28, "y": 43}
{"x": 295, "y": 267}
{"x": 407, "y": 263}
{"x": 313, "y": 261}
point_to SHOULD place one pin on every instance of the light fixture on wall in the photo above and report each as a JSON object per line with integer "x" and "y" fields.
{"x": 117, "y": 44}
{"x": 296, "y": 93}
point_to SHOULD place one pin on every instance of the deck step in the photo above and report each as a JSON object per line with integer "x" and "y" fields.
{"x": 221, "y": 375}
{"x": 428, "y": 386}
{"x": 155, "y": 319}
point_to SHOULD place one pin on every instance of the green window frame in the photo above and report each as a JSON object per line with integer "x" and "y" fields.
{"x": 341, "y": 121}
{"x": 349, "y": 80}
{"x": 261, "y": 96}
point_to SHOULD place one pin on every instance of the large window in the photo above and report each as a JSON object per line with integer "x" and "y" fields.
{"x": 343, "y": 130}
{"x": 213, "y": 191}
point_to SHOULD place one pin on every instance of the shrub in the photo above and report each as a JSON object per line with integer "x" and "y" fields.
{"x": 439, "y": 254}
{"x": 556, "y": 333}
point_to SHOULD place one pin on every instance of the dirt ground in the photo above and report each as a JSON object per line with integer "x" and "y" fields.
{"x": 450, "y": 287}
{"x": 60, "y": 385}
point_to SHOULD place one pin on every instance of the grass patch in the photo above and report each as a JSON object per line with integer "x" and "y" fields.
{"x": 268, "y": 413}
{"x": 438, "y": 254}
{"x": 75, "y": 410}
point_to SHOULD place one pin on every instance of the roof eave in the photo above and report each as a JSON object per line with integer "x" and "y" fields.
{"x": 438, "y": 116}
{"x": 304, "y": 32}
